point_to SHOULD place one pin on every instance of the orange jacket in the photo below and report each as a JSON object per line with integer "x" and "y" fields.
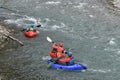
{"x": 58, "y": 53}
{"x": 53, "y": 55}
{"x": 65, "y": 60}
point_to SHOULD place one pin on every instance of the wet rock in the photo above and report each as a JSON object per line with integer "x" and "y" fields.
{"x": 3, "y": 38}
{"x": 113, "y": 6}
{"x": 116, "y": 3}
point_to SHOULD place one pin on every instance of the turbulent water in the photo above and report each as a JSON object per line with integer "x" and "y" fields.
{"x": 86, "y": 26}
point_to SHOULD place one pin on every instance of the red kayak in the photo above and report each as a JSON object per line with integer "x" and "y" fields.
{"x": 30, "y": 34}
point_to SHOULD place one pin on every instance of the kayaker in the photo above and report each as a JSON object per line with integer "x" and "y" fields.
{"x": 60, "y": 51}
{"x": 57, "y": 51}
{"x": 69, "y": 60}
{"x": 32, "y": 27}
{"x": 53, "y": 53}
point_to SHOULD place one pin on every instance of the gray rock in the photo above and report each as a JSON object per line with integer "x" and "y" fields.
{"x": 3, "y": 38}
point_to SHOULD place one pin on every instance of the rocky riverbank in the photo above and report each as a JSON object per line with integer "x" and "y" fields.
{"x": 4, "y": 30}
{"x": 114, "y": 5}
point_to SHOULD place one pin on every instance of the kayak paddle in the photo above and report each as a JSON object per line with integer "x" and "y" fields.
{"x": 49, "y": 39}
{"x": 36, "y": 26}
{"x": 52, "y": 62}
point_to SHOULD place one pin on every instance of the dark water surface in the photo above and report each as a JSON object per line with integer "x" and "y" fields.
{"x": 86, "y": 26}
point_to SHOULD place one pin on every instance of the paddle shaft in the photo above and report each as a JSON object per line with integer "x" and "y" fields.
{"x": 36, "y": 26}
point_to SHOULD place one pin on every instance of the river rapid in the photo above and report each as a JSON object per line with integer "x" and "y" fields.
{"x": 88, "y": 27}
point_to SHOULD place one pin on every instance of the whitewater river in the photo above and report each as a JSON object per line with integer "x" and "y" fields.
{"x": 86, "y": 26}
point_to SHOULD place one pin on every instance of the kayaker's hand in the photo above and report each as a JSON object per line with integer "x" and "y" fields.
{"x": 55, "y": 60}
{"x": 53, "y": 42}
{"x": 66, "y": 52}
{"x": 23, "y": 29}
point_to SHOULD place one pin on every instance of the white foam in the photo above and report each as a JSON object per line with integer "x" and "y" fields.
{"x": 53, "y": 2}
{"x": 100, "y": 70}
{"x": 20, "y": 21}
{"x": 111, "y": 49}
{"x": 80, "y": 5}
{"x": 91, "y": 16}
{"x": 46, "y": 58}
{"x": 112, "y": 41}
{"x": 62, "y": 25}
{"x": 55, "y": 27}
{"x": 58, "y": 27}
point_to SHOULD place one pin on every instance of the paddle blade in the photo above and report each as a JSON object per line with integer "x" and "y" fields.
{"x": 38, "y": 25}
{"x": 50, "y": 65}
{"x": 49, "y": 39}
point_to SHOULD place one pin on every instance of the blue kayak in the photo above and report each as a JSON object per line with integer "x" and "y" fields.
{"x": 74, "y": 67}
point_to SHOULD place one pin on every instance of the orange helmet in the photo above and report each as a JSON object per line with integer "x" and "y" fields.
{"x": 61, "y": 44}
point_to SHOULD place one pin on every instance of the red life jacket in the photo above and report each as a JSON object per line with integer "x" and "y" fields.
{"x": 65, "y": 60}
{"x": 60, "y": 49}
{"x": 61, "y": 55}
